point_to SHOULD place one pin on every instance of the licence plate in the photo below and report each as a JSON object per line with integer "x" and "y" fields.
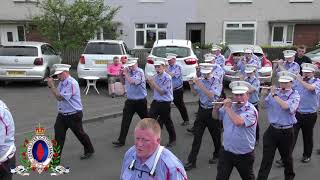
{"x": 16, "y": 73}
{"x": 100, "y": 62}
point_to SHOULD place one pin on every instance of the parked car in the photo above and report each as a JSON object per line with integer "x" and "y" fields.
{"x": 265, "y": 73}
{"x": 183, "y": 50}
{"x": 98, "y": 54}
{"x": 312, "y": 55}
{"x": 27, "y": 61}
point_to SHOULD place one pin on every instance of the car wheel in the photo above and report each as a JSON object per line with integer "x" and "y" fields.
{"x": 46, "y": 74}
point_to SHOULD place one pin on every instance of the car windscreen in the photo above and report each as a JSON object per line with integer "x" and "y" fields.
{"x": 18, "y": 51}
{"x": 181, "y": 52}
{"x": 103, "y": 48}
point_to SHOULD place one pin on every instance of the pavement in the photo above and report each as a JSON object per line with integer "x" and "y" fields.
{"x": 107, "y": 160}
{"x": 31, "y": 104}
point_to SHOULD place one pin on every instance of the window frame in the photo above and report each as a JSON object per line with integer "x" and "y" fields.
{"x": 300, "y": 1}
{"x": 225, "y": 23}
{"x": 240, "y": 1}
{"x": 145, "y": 29}
{"x": 151, "y": 1}
{"x": 284, "y": 42}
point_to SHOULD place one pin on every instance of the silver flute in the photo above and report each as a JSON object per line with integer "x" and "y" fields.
{"x": 46, "y": 80}
{"x": 269, "y": 87}
{"x": 233, "y": 102}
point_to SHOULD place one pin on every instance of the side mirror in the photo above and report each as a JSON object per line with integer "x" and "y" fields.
{"x": 58, "y": 53}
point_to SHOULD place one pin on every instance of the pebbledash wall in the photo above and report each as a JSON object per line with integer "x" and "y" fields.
{"x": 134, "y": 13}
{"x": 262, "y": 22}
{"x": 299, "y": 20}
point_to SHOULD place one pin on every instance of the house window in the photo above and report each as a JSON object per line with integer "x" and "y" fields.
{"x": 300, "y": 1}
{"x": 282, "y": 34}
{"x": 10, "y": 36}
{"x": 21, "y": 35}
{"x": 152, "y": 1}
{"x": 149, "y": 32}
{"x": 239, "y": 32}
{"x": 26, "y": 1}
{"x": 240, "y": 1}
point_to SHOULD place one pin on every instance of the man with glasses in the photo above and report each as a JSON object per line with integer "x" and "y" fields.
{"x": 147, "y": 159}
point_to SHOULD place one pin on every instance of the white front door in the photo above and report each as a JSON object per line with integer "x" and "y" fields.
{"x": 282, "y": 34}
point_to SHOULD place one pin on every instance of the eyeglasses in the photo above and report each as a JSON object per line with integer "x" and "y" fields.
{"x": 133, "y": 168}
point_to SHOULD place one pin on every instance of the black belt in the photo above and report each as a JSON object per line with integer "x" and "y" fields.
{"x": 137, "y": 99}
{"x": 69, "y": 113}
{"x": 279, "y": 126}
{"x": 162, "y": 101}
{"x": 305, "y": 113}
{"x": 177, "y": 88}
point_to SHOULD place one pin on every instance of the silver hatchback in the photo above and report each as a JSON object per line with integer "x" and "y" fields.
{"x": 20, "y": 61}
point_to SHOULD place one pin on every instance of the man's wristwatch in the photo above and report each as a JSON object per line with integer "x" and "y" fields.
{"x": 273, "y": 95}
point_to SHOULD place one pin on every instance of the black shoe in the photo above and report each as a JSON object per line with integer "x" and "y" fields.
{"x": 305, "y": 159}
{"x": 185, "y": 123}
{"x": 86, "y": 156}
{"x": 171, "y": 143}
{"x": 191, "y": 130}
{"x": 113, "y": 95}
{"x": 279, "y": 163}
{"x": 189, "y": 166}
{"x": 318, "y": 151}
{"x": 117, "y": 143}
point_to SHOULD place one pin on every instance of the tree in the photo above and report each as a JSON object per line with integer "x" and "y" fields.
{"x": 71, "y": 24}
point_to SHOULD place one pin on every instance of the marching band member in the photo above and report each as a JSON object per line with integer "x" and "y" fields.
{"x": 219, "y": 58}
{"x": 161, "y": 84}
{"x": 239, "y": 122}
{"x": 175, "y": 71}
{"x": 288, "y": 64}
{"x": 7, "y": 147}
{"x": 69, "y": 109}
{"x": 209, "y": 89}
{"x": 308, "y": 88}
{"x": 217, "y": 72}
{"x": 281, "y": 106}
{"x": 147, "y": 159}
{"x": 136, "y": 102}
{"x": 253, "y": 91}
{"x": 248, "y": 58}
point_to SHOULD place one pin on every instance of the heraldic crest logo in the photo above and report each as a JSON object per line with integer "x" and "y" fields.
{"x": 40, "y": 153}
